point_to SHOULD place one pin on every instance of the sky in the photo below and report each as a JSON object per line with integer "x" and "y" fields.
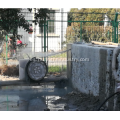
{"x": 60, "y": 4}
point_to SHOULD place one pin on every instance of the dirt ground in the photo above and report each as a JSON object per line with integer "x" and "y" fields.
{"x": 7, "y": 78}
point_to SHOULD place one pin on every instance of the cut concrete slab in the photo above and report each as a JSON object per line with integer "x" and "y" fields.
{"x": 92, "y": 70}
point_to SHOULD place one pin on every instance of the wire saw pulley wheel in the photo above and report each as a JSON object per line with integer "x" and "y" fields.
{"x": 36, "y": 69}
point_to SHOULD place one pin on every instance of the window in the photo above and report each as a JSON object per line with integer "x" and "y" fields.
{"x": 51, "y": 25}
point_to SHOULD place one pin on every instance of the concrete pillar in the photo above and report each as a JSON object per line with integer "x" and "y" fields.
{"x": 22, "y": 65}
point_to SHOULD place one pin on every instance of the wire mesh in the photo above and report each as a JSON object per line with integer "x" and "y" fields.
{"x": 61, "y": 28}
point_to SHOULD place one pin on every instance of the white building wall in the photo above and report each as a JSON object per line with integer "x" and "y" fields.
{"x": 54, "y": 39}
{"x": 26, "y": 37}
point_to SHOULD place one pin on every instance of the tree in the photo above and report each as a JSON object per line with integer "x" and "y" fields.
{"x": 11, "y": 19}
{"x": 90, "y": 30}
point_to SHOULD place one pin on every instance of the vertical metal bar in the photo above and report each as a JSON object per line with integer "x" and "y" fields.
{"x": 6, "y": 49}
{"x": 117, "y": 33}
{"x": 61, "y": 28}
{"x": 47, "y": 44}
{"x": 108, "y": 34}
{"x": 80, "y": 31}
{"x": 34, "y": 32}
{"x": 45, "y": 37}
{"x": 112, "y": 33}
{"x": 115, "y": 26}
{"x": 33, "y": 42}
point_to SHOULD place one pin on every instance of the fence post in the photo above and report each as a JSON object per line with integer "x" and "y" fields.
{"x": 117, "y": 33}
{"x": 112, "y": 32}
{"x": 115, "y": 26}
{"x": 80, "y": 31}
{"x": 6, "y": 49}
{"x": 47, "y": 43}
{"x": 45, "y": 37}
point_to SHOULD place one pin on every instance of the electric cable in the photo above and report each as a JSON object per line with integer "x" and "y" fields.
{"x": 107, "y": 100}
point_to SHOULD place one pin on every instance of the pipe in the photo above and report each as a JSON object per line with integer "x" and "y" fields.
{"x": 114, "y": 65}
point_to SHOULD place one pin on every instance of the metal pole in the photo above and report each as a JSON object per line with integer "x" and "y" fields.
{"x": 112, "y": 33}
{"x": 117, "y": 33}
{"x": 108, "y": 34}
{"x": 80, "y": 31}
{"x": 45, "y": 37}
{"x": 33, "y": 35}
{"x": 6, "y": 49}
{"x": 34, "y": 32}
{"x": 115, "y": 26}
{"x": 47, "y": 43}
{"x": 61, "y": 46}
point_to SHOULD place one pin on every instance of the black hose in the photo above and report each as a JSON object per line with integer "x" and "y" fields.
{"x": 107, "y": 99}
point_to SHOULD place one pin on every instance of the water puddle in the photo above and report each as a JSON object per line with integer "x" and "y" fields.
{"x": 31, "y": 98}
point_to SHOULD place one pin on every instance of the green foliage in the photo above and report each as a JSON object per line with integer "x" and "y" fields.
{"x": 90, "y": 30}
{"x": 40, "y": 15}
{"x": 92, "y": 14}
{"x": 11, "y": 19}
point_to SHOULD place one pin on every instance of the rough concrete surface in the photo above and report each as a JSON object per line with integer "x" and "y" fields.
{"x": 93, "y": 77}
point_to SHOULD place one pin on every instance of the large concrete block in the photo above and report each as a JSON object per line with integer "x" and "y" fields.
{"x": 93, "y": 74}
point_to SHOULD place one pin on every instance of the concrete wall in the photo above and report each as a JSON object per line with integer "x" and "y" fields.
{"x": 93, "y": 74}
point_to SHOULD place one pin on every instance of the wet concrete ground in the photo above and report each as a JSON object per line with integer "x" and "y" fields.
{"x": 45, "y": 97}
{"x": 31, "y": 98}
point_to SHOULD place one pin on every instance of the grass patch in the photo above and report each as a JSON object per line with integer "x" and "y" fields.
{"x": 63, "y": 55}
{"x": 56, "y": 68}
